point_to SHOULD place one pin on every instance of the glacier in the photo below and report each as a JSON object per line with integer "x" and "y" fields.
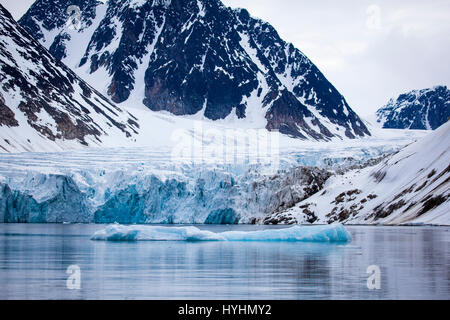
{"x": 146, "y": 185}
{"x": 324, "y": 233}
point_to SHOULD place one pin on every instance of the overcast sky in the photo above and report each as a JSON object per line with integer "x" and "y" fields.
{"x": 369, "y": 50}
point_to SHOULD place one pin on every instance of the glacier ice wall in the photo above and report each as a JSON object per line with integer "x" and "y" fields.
{"x": 213, "y": 196}
{"x": 62, "y": 201}
{"x": 141, "y": 186}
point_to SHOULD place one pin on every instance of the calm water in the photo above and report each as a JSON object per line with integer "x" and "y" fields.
{"x": 414, "y": 263}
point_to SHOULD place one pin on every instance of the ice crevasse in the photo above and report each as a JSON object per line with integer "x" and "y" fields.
{"x": 322, "y": 233}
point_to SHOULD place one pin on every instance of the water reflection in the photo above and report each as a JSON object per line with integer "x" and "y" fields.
{"x": 33, "y": 260}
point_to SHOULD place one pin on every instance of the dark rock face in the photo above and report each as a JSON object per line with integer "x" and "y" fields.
{"x": 198, "y": 56}
{"x": 36, "y": 85}
{"x": 294, "y": 186}
{"x": 419, "y": 109}
{"x": 6, "y": 114}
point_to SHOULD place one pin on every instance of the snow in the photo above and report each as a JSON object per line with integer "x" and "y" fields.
{"x": 417, "y": 104}
{"x": 254, "y": 54}
{"x": 25, "y": 138}
{"x": 180, "y": 169}
{"x": 416, "y": 174}
{"x": 345, "y": 109}
{"x": 138, "y": 93}
{"x": 166, "y": 184}
{"x": 201, "y": 9}
{"x": 48, "y": 35}
{"x": 328, "y": 233}
{"x": 251, "y": 52}
{"x": 80, "y": 39}
{"x": 136, "y": 3}
{"x": 176, "y": 170}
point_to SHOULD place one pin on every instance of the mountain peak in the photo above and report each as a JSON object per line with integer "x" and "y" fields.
{"x": 195, "y": 57}
{"x": 424, "y": 109}
{"x": 43, "y": 102}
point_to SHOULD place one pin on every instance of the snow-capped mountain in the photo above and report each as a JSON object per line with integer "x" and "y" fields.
{"x": 412, "y": 186}
{"x": 44, "y": 105}
{"x": 194, "y": 57}
{"x": 425, "y": 109}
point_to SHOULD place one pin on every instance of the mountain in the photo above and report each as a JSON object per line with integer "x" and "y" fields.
{"x": 194, "y": 57}
{"x": 44, "y": 105}
{"x": 425, "y": 109}
{"x": 412, "y": 186}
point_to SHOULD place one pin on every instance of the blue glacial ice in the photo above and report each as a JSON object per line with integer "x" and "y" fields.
{"x": 143, "y": 186}
{"x": 326, "y": 233}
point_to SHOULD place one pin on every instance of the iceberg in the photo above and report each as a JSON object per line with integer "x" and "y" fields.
{"x": 324, "y": 233}
{"x": 319, "y": 233}
{"x": 119, "y": 232}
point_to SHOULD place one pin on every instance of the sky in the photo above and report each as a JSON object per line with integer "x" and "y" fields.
{"x": 369, "y": 50}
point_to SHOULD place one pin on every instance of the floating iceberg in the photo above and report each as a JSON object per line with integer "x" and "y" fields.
{"x": 321, "y": 233}
{"x": 119, "y": 232}
{"x": 327, "y": 233}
